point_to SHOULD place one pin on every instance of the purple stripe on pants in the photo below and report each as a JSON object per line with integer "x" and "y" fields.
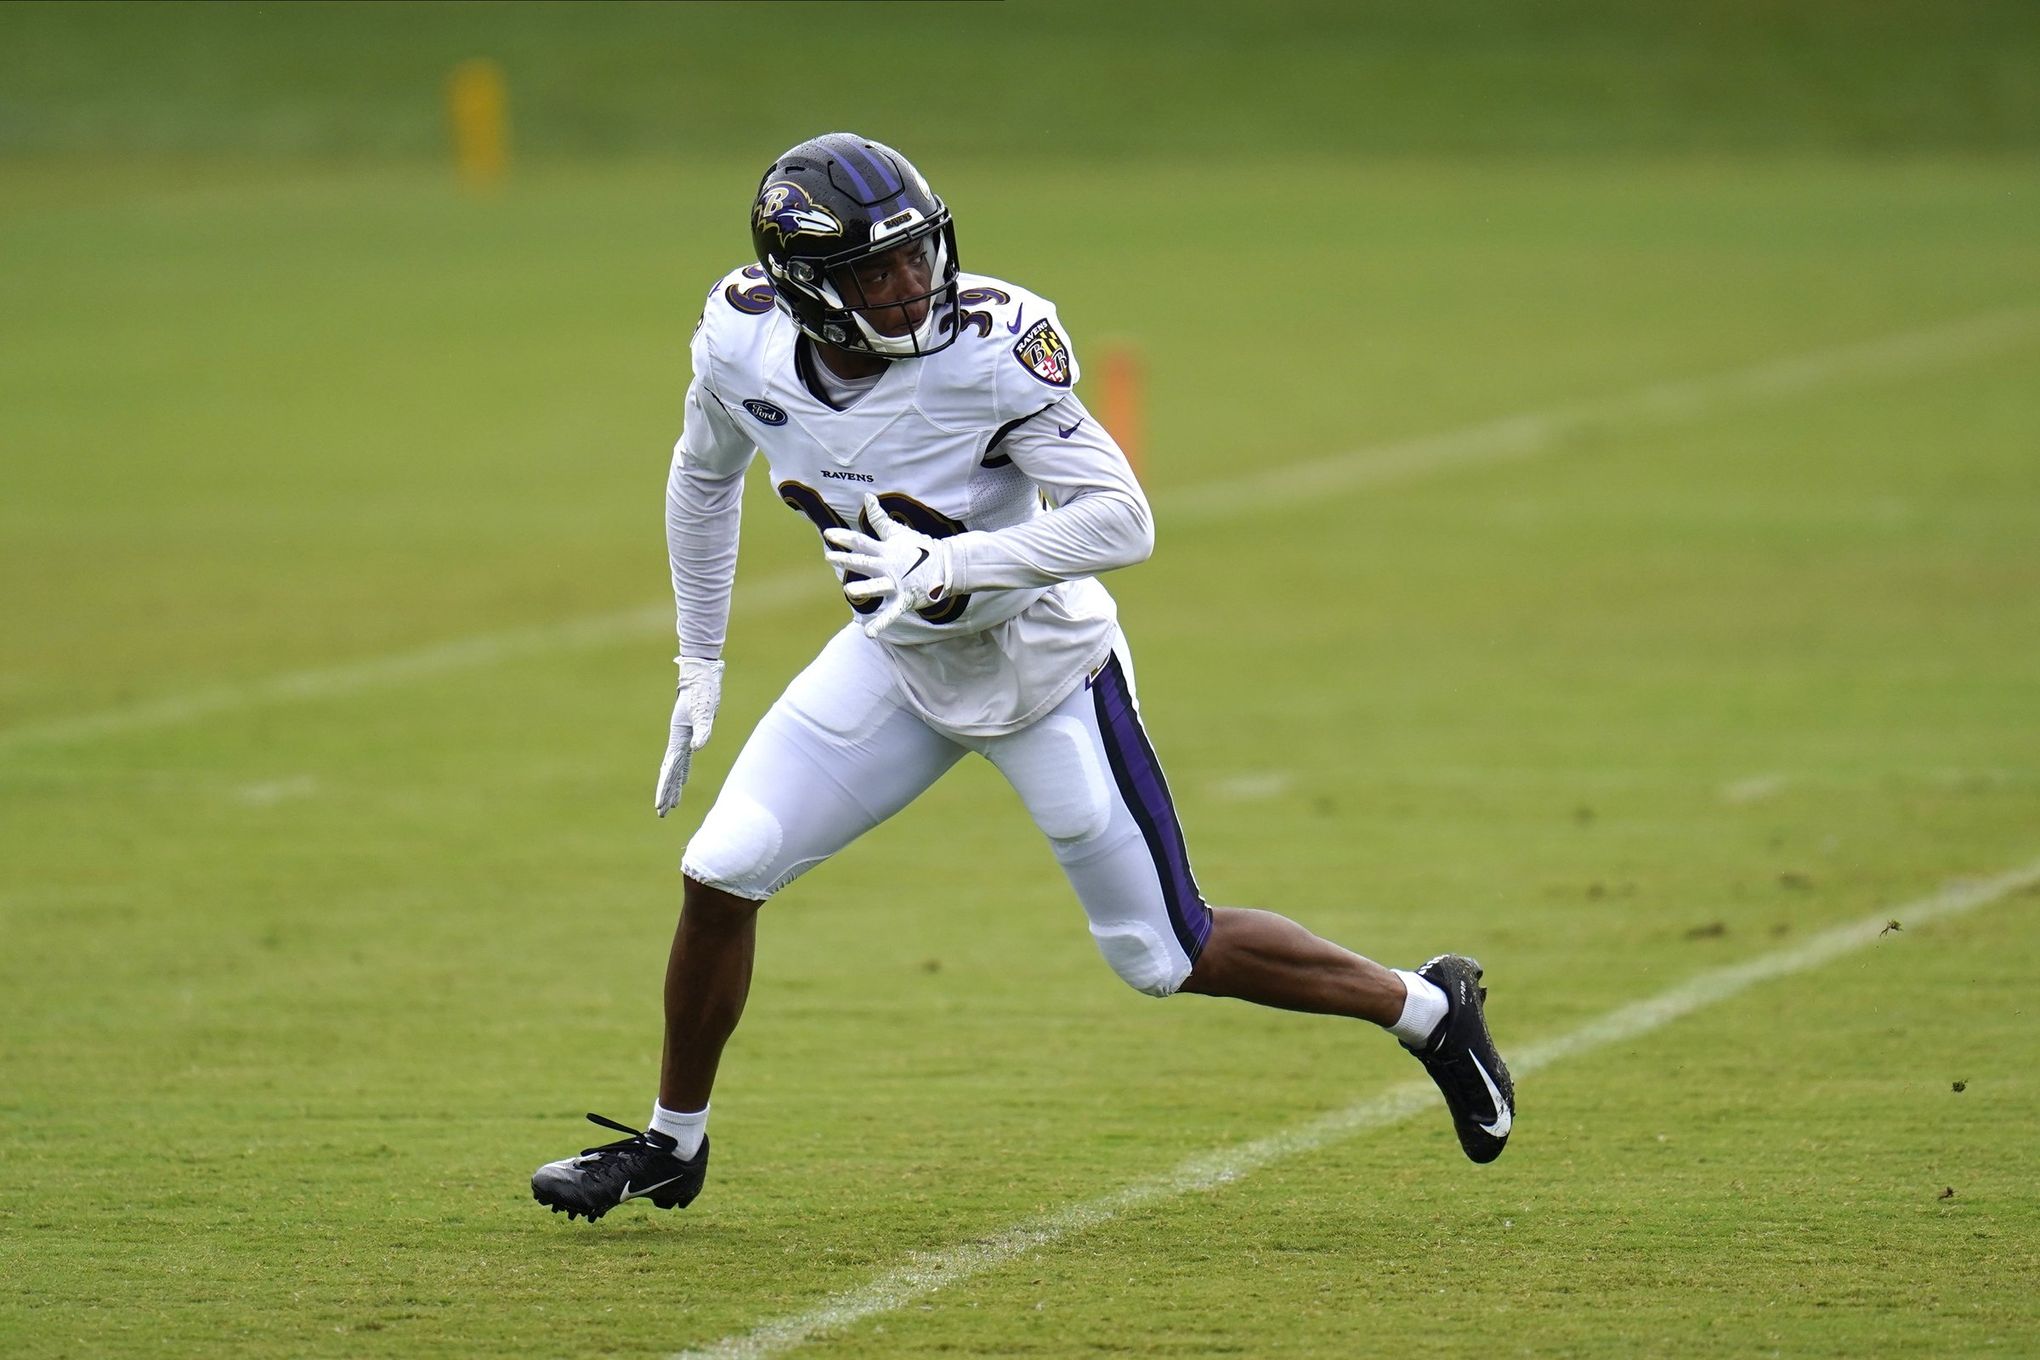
{"x": 1139, "y": 776}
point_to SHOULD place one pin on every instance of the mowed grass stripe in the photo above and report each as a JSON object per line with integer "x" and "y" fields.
{"x": 928, "y": 1273}
{"x": 1510, "y": 439}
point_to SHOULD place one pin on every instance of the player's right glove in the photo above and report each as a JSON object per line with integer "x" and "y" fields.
{"x": 903, "y": 566}
{"x": 693, "y": 719}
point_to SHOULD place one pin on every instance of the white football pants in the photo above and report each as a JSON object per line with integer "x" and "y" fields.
{"x": 841, "y": 751}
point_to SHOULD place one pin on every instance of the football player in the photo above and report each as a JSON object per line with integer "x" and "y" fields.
{"x": 923, "y": 419}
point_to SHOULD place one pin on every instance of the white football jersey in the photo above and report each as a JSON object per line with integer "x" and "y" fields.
{"x": 984, "y": 435}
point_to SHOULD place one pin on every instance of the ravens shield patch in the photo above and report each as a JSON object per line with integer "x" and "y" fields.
{"x": 1042, "y": 352}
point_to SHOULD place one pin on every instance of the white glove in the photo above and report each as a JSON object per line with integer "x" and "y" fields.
{"x": 906, "y": 567}
{"x": 693, "y": 719}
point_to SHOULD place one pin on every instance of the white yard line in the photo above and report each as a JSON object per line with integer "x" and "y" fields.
{"x": 1754, "y": 789}
{"x": 926, "y": 1273}
{"x": 1533, "y": 433}
{"x": 1510, "y": 439}
{"x": 270, "y": 792}
{"x": 1255, "y": 787}
{"x": 490, "y": 649}
{"x": 325, "y": 682}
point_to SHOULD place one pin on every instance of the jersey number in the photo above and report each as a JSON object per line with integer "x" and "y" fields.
{"x": 900, "y": 506}
{"x": 754, "y": 301}
{"x": 973, "y": 297}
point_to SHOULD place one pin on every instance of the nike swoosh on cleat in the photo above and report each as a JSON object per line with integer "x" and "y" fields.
{"x": 1503, "y": 1119}
{"x": 629, "y": 1193}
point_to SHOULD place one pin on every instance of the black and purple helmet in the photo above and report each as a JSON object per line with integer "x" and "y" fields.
{"x": 837, "y": 199}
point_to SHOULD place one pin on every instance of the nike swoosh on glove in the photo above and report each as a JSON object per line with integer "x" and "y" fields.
{"x": 904, "y": 567}
{"x": 693, "y": 720}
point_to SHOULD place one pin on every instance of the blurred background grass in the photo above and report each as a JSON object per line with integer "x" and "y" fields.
{"x": 1054, "y": 78}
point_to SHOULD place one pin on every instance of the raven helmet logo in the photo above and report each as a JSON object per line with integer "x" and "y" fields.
{"x": 785, "y": 208}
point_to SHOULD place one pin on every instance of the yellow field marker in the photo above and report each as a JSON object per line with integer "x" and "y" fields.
{"x": 478, "y": 108}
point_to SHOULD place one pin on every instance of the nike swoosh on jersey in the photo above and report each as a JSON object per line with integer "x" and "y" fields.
{"x": 1503, "y": 1118}
{"x": 629, "y": 1193}
{"x": 1013, "y": 327}
{"x": 1071, "y": 430}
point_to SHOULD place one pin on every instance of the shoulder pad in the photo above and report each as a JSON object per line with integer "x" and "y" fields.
{"x": 1022, "y": 342}
{"x": 737, "y": 323}
{"x": 737, "y": 296}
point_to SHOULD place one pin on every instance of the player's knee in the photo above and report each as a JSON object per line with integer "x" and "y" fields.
{"x": 737, "y": 848}
{"x": 1143, "y": 959}
{"x": 714, "y": 907}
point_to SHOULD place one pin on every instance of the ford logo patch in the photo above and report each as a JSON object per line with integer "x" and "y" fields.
{"x": 765, "y": 411}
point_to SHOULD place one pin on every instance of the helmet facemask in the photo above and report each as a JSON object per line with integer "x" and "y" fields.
{"x": 882, "y": 292}
{"x": 869, "y": 296}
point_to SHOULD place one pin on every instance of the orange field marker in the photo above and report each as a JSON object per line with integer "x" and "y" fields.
{"x": 1126, "y": 401}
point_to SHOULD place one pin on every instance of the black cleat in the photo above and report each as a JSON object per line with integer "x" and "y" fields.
{"x": 1462, "y": 1059}
{"x": 641, "y": 1166}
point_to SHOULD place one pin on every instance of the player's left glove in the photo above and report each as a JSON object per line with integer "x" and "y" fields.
{"x": 693, "y": 719}
{"x": 904, "y": 567}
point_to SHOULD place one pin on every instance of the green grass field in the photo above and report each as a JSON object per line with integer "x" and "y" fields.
{"x": 1642, "y": 577}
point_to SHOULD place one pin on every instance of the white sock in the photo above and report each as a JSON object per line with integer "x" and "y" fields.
{"x": 689, "y": 1129}
{"x": 1422, "y": 1009}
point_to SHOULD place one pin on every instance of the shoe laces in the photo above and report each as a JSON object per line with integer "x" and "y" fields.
{"x": 638, "y": 1137}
